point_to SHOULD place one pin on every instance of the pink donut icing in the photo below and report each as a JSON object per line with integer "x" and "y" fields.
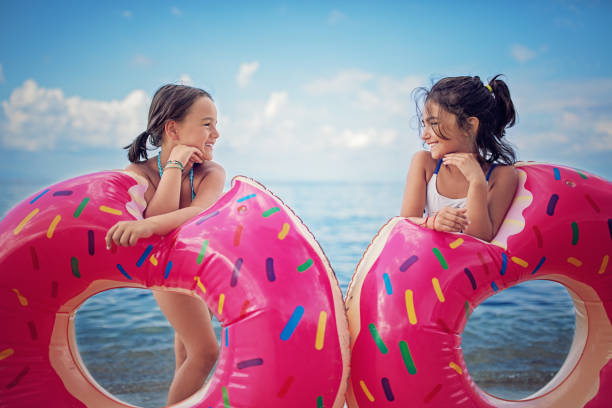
{"x": 414, "y": 289}
{"x": 284, "y": 337}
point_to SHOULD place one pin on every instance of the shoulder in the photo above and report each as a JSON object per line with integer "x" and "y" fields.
{"x": 212, "y": 173}
{"x": 142, "y": 169}
{"x": 423, "y": 164}
{"x": 504, "y": 176}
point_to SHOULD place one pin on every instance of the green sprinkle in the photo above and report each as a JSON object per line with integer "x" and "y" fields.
{"x": 320, "y": 401}
{"x": 408, "y": 362}
{"x": 81, "y": 206}
{"x": 574, "y": 233}
{"x": 75, "y": 267}
{"x": 581, "y": 174}
{"x": 377, "y": 339}
{"x": 226, "y": 403}
{"x": 441, "y": 259}
{"x": 202, "y": 251}
{"x": 467, "y": 310}
{"x": 271, "y": 211}
{"x": 305, "y": 265}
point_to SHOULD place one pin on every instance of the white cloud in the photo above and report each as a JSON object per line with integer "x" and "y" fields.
{"x": 344, "y": 81}
{"x": 2, "y": 79}
{"x": 140, "y": 60}
{"x": 336, "y": 17}
{"x": 176, "y": 11}
{"x": 522, "y": 53}
{"x": 276, "y": 101}
{"x": 39, "y": 118}
{"x": 361, "y": 139}
{"x": 245, "y": 72}
{"x": 185, "y": 79}
{"x": 126, "y": 14}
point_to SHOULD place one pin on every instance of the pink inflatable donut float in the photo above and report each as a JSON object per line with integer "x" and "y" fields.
{"x": 414, "y": 288}
{"x": 284, "y": 330}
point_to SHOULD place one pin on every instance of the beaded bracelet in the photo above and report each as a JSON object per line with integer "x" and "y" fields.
{"x": 173, "y": 166}
{"x": 177, "y": 163}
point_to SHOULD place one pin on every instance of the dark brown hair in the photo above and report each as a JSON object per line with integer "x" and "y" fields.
{"x": 467, "y": 96}
{"x": 170, "y": 102}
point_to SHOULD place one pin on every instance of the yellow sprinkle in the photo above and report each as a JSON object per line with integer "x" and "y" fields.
{"x": 54, "y": 223}
{"x": 321, "y": 330}
{"x": 518, "y": 223}
{"x": 283, "y": 233}
{"x": 574, "y": 261}
{"x": 25, "y": 221}
{"x": 522, "y": 198}
{"x": 604, "y": 264}
{"x": 410, "y": 307}
{"x": 436, "y": 285}
{"x": 456, "y": 243}
{"x": 366, "y": 391}
{"x": 153, "y": 260}
{"x": 22, "y": 299}
{"x": 6, "y": 353}
{"x": 110, "y": 210}
{"x": 456, "y": 368}
{"x": 500, "y": 244}
{"x": 200, "y": 285}
{"x": 519, "y": 261}
{"x": 221, "y": 302}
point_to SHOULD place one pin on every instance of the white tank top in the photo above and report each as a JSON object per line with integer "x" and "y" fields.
{"x": 436, "y": 201}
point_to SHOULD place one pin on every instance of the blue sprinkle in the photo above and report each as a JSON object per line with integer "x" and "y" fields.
{"x": 387, "y": 388}
{"x": 226, "y": 338}
{"x": 246, "y": 198}
{"x": 539, "y": 265}
{"x": 123, "y": 271}
{"x": 388, "y": 284}
{"x": 292, "y": 323}
{"x": 144, "y": 256}
{"x": 168, "y": 268}
{"x": 249, "y": 363}
{"x": 206, "y": 217}
{"x": 494, "y": 286}
{"x": 468, "y": 273}
{"x": 38, "y": 196}
{"x": 504, "y": 264}
{"x": 557, "y": 174}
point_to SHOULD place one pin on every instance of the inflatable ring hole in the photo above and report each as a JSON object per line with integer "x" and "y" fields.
{"x": 127, "y": 345}
{"x": 517, "y": 340}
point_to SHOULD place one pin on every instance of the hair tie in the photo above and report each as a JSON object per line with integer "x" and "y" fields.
{"x": 489, "y": 88}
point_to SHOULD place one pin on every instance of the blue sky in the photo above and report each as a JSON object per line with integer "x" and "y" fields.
{"x": 316, "y": 91}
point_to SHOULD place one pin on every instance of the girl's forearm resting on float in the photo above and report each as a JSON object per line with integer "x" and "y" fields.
{"x": 164, "y": 223}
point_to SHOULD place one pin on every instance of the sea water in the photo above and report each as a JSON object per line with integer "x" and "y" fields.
{"x": 513, "y": 344}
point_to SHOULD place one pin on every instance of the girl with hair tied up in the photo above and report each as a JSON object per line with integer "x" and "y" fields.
{"x": 183, "y": 181}
{"x": 466, "y": 181}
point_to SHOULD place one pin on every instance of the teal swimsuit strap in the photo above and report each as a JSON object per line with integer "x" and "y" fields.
{"x": 161, "y": 171}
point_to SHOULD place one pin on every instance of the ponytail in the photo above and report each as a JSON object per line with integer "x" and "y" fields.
{"x": 505, "y": 114}
{"x": 137, "y": 150}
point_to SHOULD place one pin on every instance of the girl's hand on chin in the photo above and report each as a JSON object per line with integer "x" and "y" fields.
{"x": 186, "y": 154}
{"x": 467, "y": 164}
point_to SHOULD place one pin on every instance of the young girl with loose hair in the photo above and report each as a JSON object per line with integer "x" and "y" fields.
{"x": 466, "y": 181}
{"x": 183, "y": 182}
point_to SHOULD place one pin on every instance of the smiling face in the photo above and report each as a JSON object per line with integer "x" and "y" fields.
{"x": 199, "y": 127}
{"x": 443, "y": 134}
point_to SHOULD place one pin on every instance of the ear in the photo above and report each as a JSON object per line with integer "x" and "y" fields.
{"x": 171, "y": 129}
{"x": 473, "y": 122}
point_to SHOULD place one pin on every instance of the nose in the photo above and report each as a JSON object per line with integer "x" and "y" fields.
{"x": 215, "y": 133}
